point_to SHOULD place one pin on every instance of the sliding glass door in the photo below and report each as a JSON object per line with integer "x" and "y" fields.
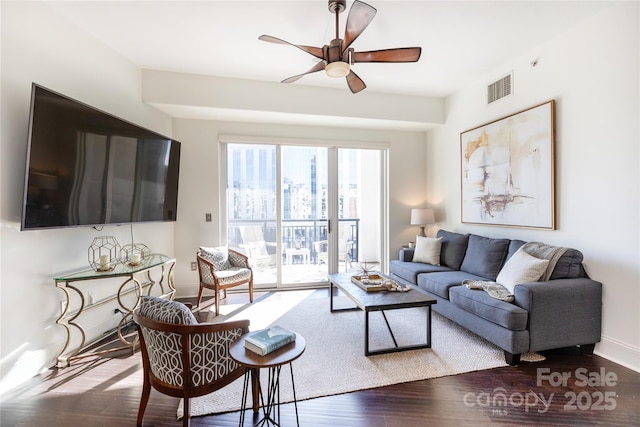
{"x": 360, "y": 204}
{"x": 252, "y": 207}
{"x": 302, "y": 211}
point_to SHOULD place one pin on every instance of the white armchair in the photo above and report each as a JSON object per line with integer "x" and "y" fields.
{"x": 344, "y": 251}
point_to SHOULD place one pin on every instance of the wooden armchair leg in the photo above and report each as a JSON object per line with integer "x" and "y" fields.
{"x": 217, "y": 300}
{"x": 146, "y": 391}
{"x": 199, "y": 296}
{"x": 186, "y": 418}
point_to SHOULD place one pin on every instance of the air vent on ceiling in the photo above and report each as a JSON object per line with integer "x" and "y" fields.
{"x": 500, "y": 88}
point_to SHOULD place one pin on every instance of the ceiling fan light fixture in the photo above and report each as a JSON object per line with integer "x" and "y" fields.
{"x": 337, "y": 69}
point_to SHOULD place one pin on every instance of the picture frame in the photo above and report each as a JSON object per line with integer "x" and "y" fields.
{"x": 508, "y": 170}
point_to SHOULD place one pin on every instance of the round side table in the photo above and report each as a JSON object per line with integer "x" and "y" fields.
{"x": 273, "y": 361}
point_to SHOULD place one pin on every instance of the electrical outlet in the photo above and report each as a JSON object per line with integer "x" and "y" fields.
{"x": 207, "y": 217}
{"x": 193, "y": 266}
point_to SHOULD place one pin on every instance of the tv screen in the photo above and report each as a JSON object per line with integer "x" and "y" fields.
{"x": 89, "y": 168}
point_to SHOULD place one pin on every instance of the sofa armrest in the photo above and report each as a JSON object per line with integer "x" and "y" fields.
{"x": 406, "y": 254}
{"x": 562, "y": 312}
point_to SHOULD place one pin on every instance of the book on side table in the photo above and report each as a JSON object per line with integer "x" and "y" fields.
{"x": 267, "y": 340}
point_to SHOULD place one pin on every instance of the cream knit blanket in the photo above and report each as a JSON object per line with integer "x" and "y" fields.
{"x": 494, "y": 289}
{"x": 536, "y": 249}
{"x": 544, "y": 251}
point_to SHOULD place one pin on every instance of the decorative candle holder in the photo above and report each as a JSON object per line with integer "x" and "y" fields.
{"x": 134, "y": 254}
{"x": 103, "y": 253}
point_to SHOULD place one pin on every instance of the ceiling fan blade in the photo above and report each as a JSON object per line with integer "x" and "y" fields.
{"x": 360, "y": 16}
{"x": 355, "y": 83}
{"x": 401, "y": 54}
{"x": 315, "y": 51}
{"x": 318, "y": 67}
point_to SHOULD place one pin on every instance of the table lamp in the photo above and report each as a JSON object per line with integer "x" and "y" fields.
{"x": 422, "y": 218}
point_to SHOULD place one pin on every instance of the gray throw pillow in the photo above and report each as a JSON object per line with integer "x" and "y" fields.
{"x": 453, "y": 248}
{"x": 485, "y": 256}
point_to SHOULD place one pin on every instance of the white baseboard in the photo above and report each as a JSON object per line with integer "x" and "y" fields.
{"x": 619, "y": 352}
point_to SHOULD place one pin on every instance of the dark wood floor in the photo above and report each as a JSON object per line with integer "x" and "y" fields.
{"x": 106, "y": 392}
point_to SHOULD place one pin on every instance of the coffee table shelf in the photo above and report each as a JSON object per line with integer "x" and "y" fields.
{"x": 381, "y": 301}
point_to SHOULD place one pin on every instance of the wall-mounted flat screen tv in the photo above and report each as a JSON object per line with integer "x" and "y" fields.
{"x": 88, "y": 168}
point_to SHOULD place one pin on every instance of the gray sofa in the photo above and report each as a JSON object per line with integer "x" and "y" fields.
{"x": 563, "y": 311}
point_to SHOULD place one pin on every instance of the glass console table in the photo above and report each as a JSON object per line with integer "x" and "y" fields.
{"x": 131, "y": 284}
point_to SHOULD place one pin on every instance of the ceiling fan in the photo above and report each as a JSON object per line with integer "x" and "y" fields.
{"x": 337, "y": 57}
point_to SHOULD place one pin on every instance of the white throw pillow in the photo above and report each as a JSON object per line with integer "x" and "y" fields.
{"x": 427, "y": 250}
{"x": 521, "y": 268}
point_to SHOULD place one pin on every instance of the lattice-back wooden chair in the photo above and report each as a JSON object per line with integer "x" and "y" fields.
{"x": 181, "y": 357}
{"x": 222, "y": 268}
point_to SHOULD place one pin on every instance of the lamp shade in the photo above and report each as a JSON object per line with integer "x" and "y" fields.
{"x": 422, "y": 216}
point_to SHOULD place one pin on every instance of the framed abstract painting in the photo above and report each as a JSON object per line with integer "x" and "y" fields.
{"x": 508, "y": 170}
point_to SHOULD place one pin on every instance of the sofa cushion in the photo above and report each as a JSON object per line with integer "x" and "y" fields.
{"x": 521, "y": 268}
{"x": 453, "y": 248}
{"x": 514, "y": 245}
{"x": 409, "y": 271}
{"x": 485, "y": 256}
{"x": 439, "y": 283}
{"x": 481, "y": 304}
{"x": 427, "y": 250}
{"x": 569, "y": 266}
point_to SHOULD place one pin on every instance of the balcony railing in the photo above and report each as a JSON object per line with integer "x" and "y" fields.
{"x": 298, "y": 233}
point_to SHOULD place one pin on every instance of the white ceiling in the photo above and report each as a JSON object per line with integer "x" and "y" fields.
{"x": 459, "y": 39}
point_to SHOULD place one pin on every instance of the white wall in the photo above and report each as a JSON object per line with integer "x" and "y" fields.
{"x": 592, "y": 73}
{"x": 199, "y": 182}
{"x": 39, "y": 47}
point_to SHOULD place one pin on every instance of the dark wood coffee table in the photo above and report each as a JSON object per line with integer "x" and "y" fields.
{"x": 381, "y": 301}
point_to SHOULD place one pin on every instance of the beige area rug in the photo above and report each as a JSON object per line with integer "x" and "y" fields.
{"x": 334, "y": 360}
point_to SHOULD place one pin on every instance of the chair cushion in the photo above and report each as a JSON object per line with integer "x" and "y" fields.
{"x": 233, "y": 275}
{"x": 218, "y": 256}
{"x": 164, "y": 310}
